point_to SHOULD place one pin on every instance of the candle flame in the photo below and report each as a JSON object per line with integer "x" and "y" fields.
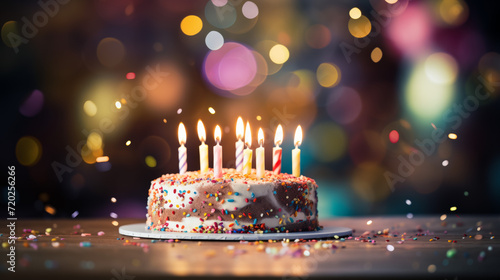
{"x": 278, "y": 137}
{"x": 182, "y": 134}
{"x": 202, "y": 134}
{"x": 239, "y": 128}
{"x": 217, "y": 134}
{"x": 260, "y": 137}
{"x": 248, "y": 136}
{"x": 298, "y": 136}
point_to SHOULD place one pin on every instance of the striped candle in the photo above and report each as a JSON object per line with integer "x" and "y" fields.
{"x": 239, "y": 144}
{"x": 277, "y": 151}
{"x": 217, "y": 153}
{"x": 247, "y": 154}
{"x": 182, "y": 150}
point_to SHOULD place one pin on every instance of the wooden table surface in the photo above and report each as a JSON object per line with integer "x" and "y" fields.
{"x": 422, "y": 247}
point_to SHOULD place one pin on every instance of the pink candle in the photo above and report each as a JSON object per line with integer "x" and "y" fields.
{"x": 217, "y": 153}
{"x": 277, "y": 151}
{"x": 181, "y": 133}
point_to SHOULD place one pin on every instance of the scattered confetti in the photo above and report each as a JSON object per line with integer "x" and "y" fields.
{"x": 451, "y": 253}
{"x": 390, "y": 248}
{"x": 453, "y": 208}
{"x": 100, "y": 233}
{"x": 409, "y": 216}
{"x": 369, "y": 222}
{"x": 85, "y": 244}
{"x": 115, "y": 223}
{"x": 113, "y": 215}
{"x": 443, "y": 217}
{"x": 51, "y": 210}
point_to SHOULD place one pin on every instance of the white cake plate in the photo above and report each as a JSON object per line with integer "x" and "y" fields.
{"x": 139, "y": 230}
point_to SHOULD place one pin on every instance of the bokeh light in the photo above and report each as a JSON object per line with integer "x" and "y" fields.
{"x": 318, "y": 36}
{"x": 150, "y": 161}
{"x": 231, "y": 67}
{"x": 425, "y": 98}
{"x": 376, "y": 55}
{"x": 453, "y": 12}
{"x": 250, "y": 10}
{"x": 28, "y": 150}
{"x": 263, "y": 47}
{"x": 33, "y": 104}
{"x": 441, "y": 68}
{"x": 130, "y": 76}
{"x": 167, "y": 91}
{"x": 369, "y": 182}
{"x": 94, "y": 141}
{"x": 90, "y": 108}
{"x": 9, "y": 30}
{"x": 220, "y": 16}
{"x": 279, "y": 54}
{"x": 191, "y": 25}
{"x": 360, "y": 27}
{"x": 300, "y": 86}
{"x": 344, "y": 105}
{"x": 411, "y": 32}
{"x": 328, "y": 75}
{"x": 355, "y": 13}
{"x": 110, "y": 51}
{"x": 394, "y": 136}
{"x": 214, "y": 40}
{"x": 331, "y": 142}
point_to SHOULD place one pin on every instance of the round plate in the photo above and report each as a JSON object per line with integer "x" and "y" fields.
{"x": 139, "y": 230}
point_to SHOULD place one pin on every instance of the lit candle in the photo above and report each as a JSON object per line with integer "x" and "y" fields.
{"x": 247, "y": 154}
{"x": 239, "y": 144}
{"x": 296, "y": 152}
{"x": 203, "y": 147}
{"x": 182, "y": 150}
{"x": 260, "y": 160}
{"x": 217, "y": 153}
{"x": 277, "y": 152}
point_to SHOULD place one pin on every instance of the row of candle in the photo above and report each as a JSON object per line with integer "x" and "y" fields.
{"x": 243, "y": 156}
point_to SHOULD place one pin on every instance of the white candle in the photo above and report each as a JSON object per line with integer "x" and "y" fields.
{"x": 239, "y": 144}
{"x": 182, "y": 150}
{"x": 247, "y": 154}
{"x": 296, "y": 152}
{"x": 203, "y": 147}
{"x": 277, "y": 151}
{"x": 260, "y": 160}
{"x": 217, "y": 153}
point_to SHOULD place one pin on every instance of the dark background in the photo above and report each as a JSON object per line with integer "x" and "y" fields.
{"x": 346, "y": 145}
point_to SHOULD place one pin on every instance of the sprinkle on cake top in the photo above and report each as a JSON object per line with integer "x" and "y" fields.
{"x": 231, "y": 175}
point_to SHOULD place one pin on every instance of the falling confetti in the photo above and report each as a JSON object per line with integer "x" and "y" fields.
{"x": 452, "y": 136}
{"x": 445, "y": 162}
{"x": 443, "y": 217}
{"x": 211, "y": 110}
{"x": 113, "y": 215}
{"x": 179, "y": 111}
{"x": 115, "y": 223}
{"x": 113, "y": 199}
{"x": 453, "y": 208}
{"x": 75, "y": 214}
{"x": 128, "y": 142}
{"x": 130, "y": 76}
{"x": 369, "y": 222}
{"x": 408, "y": 202}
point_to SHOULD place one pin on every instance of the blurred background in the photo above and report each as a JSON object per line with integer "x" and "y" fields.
{"x": 398, "y": 99}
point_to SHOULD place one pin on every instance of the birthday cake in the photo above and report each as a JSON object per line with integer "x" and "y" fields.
{"x": 235, "y": 203}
